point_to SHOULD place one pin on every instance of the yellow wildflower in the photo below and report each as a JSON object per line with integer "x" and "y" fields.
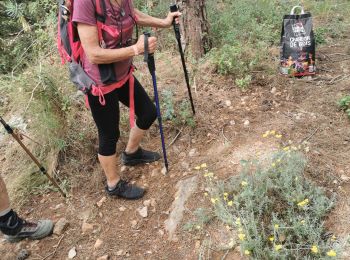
{"x": 241, "y": 236}
{"x": 246, "y": 252}
{"x": 225, "y": 194}
{"x": 286, "y": 149}
{"x": 273, "y": 164}
{"x": 332, "y": 253}
{"x": 209, "y": 174}
{"x": 271, "y": 238}
{"x": 278, "y": 136}
{"x": 276, "y": 226}
{"x": 206, "y": 194}
{"x": 302, "y": 222}
{"x": 238, "y": 221}
{"x": 244, "y": 183}
{"x": 279, "y": 160}
{"x": 303, "y": 203}
{"x": 278, "y": 247}
{"x": 230, "y": 203}
{"x": 333, "y": 238}
{"x": 197, "y": 168}
{"x": 204, "y": 165}
{"x": 214, "y": 200}
{"x": 273, "y": 132}
{"x": 314, "y": 249}
{"x": 267, "y": 133}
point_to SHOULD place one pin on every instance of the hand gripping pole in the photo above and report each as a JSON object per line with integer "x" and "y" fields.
{"x": 149, "y": 58}
{"x": 174, "y": 8}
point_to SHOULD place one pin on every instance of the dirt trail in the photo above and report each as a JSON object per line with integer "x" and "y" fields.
{"x": 225, "y": 133}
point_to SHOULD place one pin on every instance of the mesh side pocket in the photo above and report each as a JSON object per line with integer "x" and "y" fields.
{"x": 80, "y": 79}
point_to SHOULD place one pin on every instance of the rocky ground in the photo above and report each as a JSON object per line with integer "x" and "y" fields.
{"x": 229, "y": 128}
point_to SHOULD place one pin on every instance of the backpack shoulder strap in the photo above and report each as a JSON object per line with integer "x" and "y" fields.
{"x": 100, "y": 19}
{"x": 101, "y": 10}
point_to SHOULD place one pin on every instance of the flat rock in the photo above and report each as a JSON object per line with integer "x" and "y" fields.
{"x": 344, "y": 178}
{"x": 143, "y": 211}
{"x": 164, "y": 171}
{"x": 72, "y": 253}
{"x": 98, "y": 244}
{"x": 87, "y": 228}
{"x": 185, "y": 188}
{"x": 105, "y": 257}
{"x": 60, "y": 226}
{"x": 133, "y": 224}
{"x": 100, "y": 203}
{"x": 120, "y": 253}
{"x": 122, "y": 208}
{"x": 192, "y": 152}
{"x": 23, "y": 254}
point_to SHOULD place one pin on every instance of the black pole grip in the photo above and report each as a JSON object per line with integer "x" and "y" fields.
{"x": 149, "y": 57}
{"x": 174, "y": 8}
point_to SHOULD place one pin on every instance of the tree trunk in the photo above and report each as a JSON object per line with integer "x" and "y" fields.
{"x": 195, "y": 27}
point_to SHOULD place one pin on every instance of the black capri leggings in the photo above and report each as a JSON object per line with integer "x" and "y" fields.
{"x": 107, "y": 117}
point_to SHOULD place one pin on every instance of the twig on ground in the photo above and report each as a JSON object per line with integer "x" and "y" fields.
{"x": 175, "y": 138}
{"x": 31, "y": 97}
{"x": 306, "y": 139}
{"x": 54, "y": 252}
{"x": 340, "y": 54}
{"x": 223, "y": 134}
{"x": 225, "y": 255}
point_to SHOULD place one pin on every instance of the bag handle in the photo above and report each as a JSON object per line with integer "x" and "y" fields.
{"x": 295, "y": 7}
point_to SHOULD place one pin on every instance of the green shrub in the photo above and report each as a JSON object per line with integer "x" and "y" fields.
{"x": 27, "y": 31}
{"x": 180, "y": 113}
{"x": 344, "y": 105}
{"x": 276, "y": 212}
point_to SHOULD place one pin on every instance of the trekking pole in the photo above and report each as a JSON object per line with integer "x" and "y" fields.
{"x": 149, "y": 58}
{"x": 174, "y": 8}
{"x": 42, "y": 169}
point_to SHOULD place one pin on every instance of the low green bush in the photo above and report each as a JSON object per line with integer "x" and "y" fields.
{"x": 274, "y": 211}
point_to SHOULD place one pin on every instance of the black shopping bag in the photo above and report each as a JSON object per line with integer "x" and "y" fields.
{"x": 298, "y": 45}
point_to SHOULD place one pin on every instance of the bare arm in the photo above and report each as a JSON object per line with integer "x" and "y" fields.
{"x": 147, "y": 20}
{"x": 97, "y": 55}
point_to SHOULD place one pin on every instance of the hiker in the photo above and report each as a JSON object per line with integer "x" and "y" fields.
{"x": 15, "y": 228}
{"x": 107, "y": 60}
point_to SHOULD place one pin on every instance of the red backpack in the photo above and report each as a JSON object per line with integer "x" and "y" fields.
{"x": 70, "y": 48}
{"x": 71, "y": 51}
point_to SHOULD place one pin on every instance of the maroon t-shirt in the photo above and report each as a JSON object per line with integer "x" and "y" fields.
{"x": 85, "y": 12}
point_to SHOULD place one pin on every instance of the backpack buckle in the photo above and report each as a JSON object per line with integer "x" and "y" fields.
{"x": 103, "y": 44}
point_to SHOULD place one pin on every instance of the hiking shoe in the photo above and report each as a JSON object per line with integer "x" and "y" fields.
{"x": 141, "y": 156}
{"x": 33, "y": 231}
{"x": 126, "y": 190}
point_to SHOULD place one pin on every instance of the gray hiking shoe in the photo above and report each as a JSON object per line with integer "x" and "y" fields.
{"x": 39, "y": 230}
